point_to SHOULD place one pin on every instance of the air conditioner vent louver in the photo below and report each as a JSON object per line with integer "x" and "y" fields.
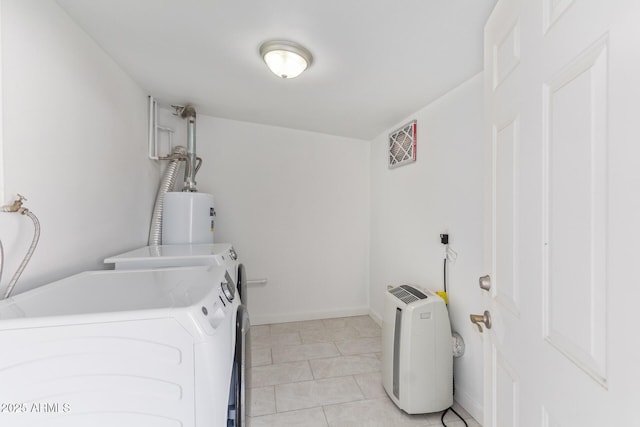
{"x": 403, "y": 295}
{"x": 407, "y": 294}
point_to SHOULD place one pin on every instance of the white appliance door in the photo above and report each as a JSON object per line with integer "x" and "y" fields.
{"x": 240, "y": 393}
{"x": 242, "y": 284}
{"x": 562, "y": 83}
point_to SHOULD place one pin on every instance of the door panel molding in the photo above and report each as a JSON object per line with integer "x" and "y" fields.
{"x": 506, "y": 392}
{"x": 506, "y": 141}
{"x": 506, "y": 54}
{"x": 574, "y": 211}
{"x": 552, "y": 10}
{"x": 547, "y": 420}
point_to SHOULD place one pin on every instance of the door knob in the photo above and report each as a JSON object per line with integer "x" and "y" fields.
{"x": 485, "y": 282}
{"x": 485, "y": 318}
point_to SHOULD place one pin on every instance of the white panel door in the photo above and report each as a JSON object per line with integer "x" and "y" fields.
{"x": 562, "y": 87}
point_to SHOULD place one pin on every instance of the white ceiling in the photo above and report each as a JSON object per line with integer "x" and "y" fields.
{"x": 375, "y": 62}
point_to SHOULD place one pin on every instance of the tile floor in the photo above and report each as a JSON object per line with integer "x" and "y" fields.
{"x": 325, "y": 373}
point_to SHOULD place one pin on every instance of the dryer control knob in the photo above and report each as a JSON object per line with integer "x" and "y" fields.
{"x": 228, "y": 291}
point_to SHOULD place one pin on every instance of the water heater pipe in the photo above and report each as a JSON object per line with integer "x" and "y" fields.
{"x": 189, "y": 113}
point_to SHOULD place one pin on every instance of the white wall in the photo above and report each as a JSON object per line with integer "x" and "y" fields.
{"x": 440, "y": 193}
{"x": 295, "y": 206}
{"x": 321, "y": 217}
{"x": 74, "y": 143}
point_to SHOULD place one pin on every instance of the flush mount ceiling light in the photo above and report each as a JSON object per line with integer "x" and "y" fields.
{"x": 286, "y": 59}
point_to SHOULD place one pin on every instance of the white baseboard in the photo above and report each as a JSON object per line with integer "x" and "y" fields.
{"x": 473, "y": 407}
{"x": 267, "y": 319}
{"x": 376, "y": 317}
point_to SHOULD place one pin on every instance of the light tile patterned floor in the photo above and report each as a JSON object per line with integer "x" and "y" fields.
{"x": 326, "y": 373}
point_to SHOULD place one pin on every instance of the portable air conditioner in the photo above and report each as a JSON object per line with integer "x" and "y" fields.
{"x": 417, "y": 359}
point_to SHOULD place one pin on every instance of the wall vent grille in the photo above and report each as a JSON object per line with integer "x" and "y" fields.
{"x": 402, "y": 145}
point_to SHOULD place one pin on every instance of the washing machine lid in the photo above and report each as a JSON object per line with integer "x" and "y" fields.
{"x": 173, "y": 255}
{"x": 110, "y": 294}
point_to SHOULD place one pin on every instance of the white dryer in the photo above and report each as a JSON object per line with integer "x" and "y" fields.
{"x": 161, "y": 256}
{"x": 220, "y": 254}
{"x": 119, "y": 348}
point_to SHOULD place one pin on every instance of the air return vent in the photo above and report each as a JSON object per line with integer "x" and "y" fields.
{"x": 402, "y": 145}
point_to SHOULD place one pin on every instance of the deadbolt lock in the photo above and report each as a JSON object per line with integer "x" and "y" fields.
{"x": 485, "y": 283}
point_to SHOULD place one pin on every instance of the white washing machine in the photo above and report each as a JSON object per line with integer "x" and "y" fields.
{"x": 120, "y": 348}
{"x": 220, "y": 254}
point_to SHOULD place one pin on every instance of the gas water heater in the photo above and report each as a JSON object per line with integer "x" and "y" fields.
{"x": 187, "y": 216}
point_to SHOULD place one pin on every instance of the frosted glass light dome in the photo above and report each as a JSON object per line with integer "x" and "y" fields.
{"x": 285, "y": 59}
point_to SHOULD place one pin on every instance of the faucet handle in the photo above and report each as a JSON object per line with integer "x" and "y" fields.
{"x": 16, "y": 206}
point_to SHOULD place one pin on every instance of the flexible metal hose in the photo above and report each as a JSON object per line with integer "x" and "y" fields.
{"x": 166, "y": 184}
{"x": 27, "y": 257}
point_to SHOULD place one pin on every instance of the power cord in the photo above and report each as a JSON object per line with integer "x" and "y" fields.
{"x": 450, "y": 408}
{"x": 454, "y": 411}
{"x": 449, "y": 255}
{"x": 444, "y": 274}
{"x": 444, "y": 239}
